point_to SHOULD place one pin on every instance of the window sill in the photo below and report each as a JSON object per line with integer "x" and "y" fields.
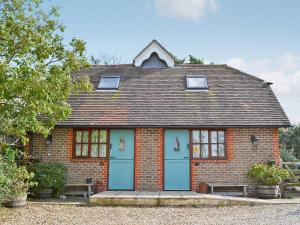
{"x": 106, "y": 90}
{"x": 223, "y": 160}
{"x": 88, "y": 160}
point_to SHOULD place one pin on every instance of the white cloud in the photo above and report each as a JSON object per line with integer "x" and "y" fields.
{"x": 237, "y": 62}
{"x": 284, "y": 72}
{"x": 289, "y": 61}
{"x": 185, "y": 9}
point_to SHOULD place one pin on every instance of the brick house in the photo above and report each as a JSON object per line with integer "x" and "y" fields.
{"x": 154, "y": 125}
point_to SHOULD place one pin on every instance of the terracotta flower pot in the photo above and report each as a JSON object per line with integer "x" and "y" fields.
{"x": 203, "y": 188}
{"x": 99, "y": 187}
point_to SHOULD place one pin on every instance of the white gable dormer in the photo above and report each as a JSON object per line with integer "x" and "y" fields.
{"x": 154, "y": 55}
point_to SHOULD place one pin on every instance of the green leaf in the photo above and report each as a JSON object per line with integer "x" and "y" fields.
{"x": 35, "y": 68}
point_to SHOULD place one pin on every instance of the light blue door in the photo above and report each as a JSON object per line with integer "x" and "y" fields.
{"x": 121, "y": 160}
{"x": 177, "y": 163}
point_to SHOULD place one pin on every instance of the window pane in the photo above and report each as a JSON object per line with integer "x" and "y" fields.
{"x": 102, "y": 152}
{"x": 78, "y": 150}
{"x": 109, "y": 82}
{"x": 177, "y": 144}
{"x": 85, "y": 138}
{"x": 103, "y": 136}
{"x": 221, "y": 150}
{"x": 204, "y": 136}
{"x": 78, "y": 136}
{"x": 214, "y": 150}
{"x": 95, "y": 134}
{"x": 94, "y": 150}
{"x": 204, "y": 151}
{"x": 196, "y": 151}
{"x": 214, "y": 137}
{"x": 221, "y": 136}
{"x": 85, "y": 149}
{"x": 196, "y": 82}
{"x": 122, "y": 144}
{"x": 196, "y": 136}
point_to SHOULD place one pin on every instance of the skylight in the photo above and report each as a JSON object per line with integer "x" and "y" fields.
{"x": 109, "y": 82}
{"x": 196, "y": 82}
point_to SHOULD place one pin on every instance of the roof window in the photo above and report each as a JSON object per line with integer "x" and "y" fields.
{"x": 109, "y": 82}
{"x": 196, "y": 82}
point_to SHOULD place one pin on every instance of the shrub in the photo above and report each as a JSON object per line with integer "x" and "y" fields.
{"x": 49, "y": 175}
{"x": 14, "y": 181}
{"x": 287, "y": 155}
{"x": 267, "y": 174}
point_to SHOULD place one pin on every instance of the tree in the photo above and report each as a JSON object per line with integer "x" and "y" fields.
{"x": 290, "y": 142}
{"x": 35, "y": 69}
{"x": 195, "y": 60}
{"x": 191, "y": 60}
{"x": 178, "y": 61}
{"x": 105, "y": 59}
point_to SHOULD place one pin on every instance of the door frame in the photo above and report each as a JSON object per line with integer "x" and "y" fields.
{"x": 134, "y": 158}
{"x": 190, "y": 159}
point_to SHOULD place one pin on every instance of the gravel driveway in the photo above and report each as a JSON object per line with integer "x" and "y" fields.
{"x": 81, "y": 215}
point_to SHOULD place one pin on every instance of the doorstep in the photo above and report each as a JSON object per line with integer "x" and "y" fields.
{"x": 171, "y": 198}
{"x": 57, "y": 201}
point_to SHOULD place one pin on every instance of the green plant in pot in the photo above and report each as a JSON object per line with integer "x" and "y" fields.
{"x": 269, "y": 177}
{"x": 51, "y": 179}
{"x": 15, "y": 180}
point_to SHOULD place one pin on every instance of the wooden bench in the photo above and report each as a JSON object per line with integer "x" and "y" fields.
{"x": 85, "y": 194}
{"x": 242, "y": 186}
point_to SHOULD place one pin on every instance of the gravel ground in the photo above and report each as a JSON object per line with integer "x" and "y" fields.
{"x": 71, "y": 215}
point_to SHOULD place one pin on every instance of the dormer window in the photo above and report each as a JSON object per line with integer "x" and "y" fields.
{"x": 154, "y": 62}
{"x": 154, "y": 55}
{"x": 196, "y": 82}
{"x": 109, "y": 82}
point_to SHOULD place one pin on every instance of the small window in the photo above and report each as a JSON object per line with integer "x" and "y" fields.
{"x": 109, "y": 82}
{"x": 90, "y": 143}
{"x": 196, "y": 82}
{"x": 208, "y": 144}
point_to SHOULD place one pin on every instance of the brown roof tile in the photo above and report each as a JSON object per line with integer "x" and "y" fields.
{"x": 158, "y": 97}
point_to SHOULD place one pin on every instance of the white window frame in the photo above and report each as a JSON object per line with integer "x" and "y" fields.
{"x": 196, "y": 88}
{"x": 109, "y": 77}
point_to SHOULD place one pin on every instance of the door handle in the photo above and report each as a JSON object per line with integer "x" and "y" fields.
{"x": 186, "y": 157}
{"x": 112, "y": 157}
{"x": 110, "y": 146}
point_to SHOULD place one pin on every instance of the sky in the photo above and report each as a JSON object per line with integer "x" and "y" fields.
{"x": 258, "y": 37}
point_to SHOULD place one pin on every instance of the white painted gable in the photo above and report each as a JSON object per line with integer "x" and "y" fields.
{"x": 154, "y": 47}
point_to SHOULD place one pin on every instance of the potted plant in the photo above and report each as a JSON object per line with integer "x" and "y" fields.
{"x": 51, "y": 179}
{"x": 99, "y": 187}
{"x": 203, "y": 188}
{"x": 269, "y": 177}
{"x": 14, "y": 180}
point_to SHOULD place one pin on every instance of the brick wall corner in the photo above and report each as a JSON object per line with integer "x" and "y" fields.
{"x": 275, "y": 145}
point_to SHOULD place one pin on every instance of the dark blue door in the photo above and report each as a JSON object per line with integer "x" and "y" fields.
{"x": 177, "y": 163}
{"x": 121, "y": 160}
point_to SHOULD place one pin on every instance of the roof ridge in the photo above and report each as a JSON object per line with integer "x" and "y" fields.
{"x": 150, "y": 43}
{"x": 187, "y": 65}
{"x": 113, "y": 65}
{"x": 245, "y": 74}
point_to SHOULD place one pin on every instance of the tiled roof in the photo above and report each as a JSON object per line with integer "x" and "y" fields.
{"x": 158, "y": 97}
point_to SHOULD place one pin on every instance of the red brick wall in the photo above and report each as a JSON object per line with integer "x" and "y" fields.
{"x": 229, "y": 156}
{"x": 149, "y": 150}
{"x": 61, "y": 151}
{"x": 148, "y": 159}
{"x": 160, "y": 160}
{"x": 241, "y": 155}
{"x": 137, "y": 159}
{"x": 276, "y": 149}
